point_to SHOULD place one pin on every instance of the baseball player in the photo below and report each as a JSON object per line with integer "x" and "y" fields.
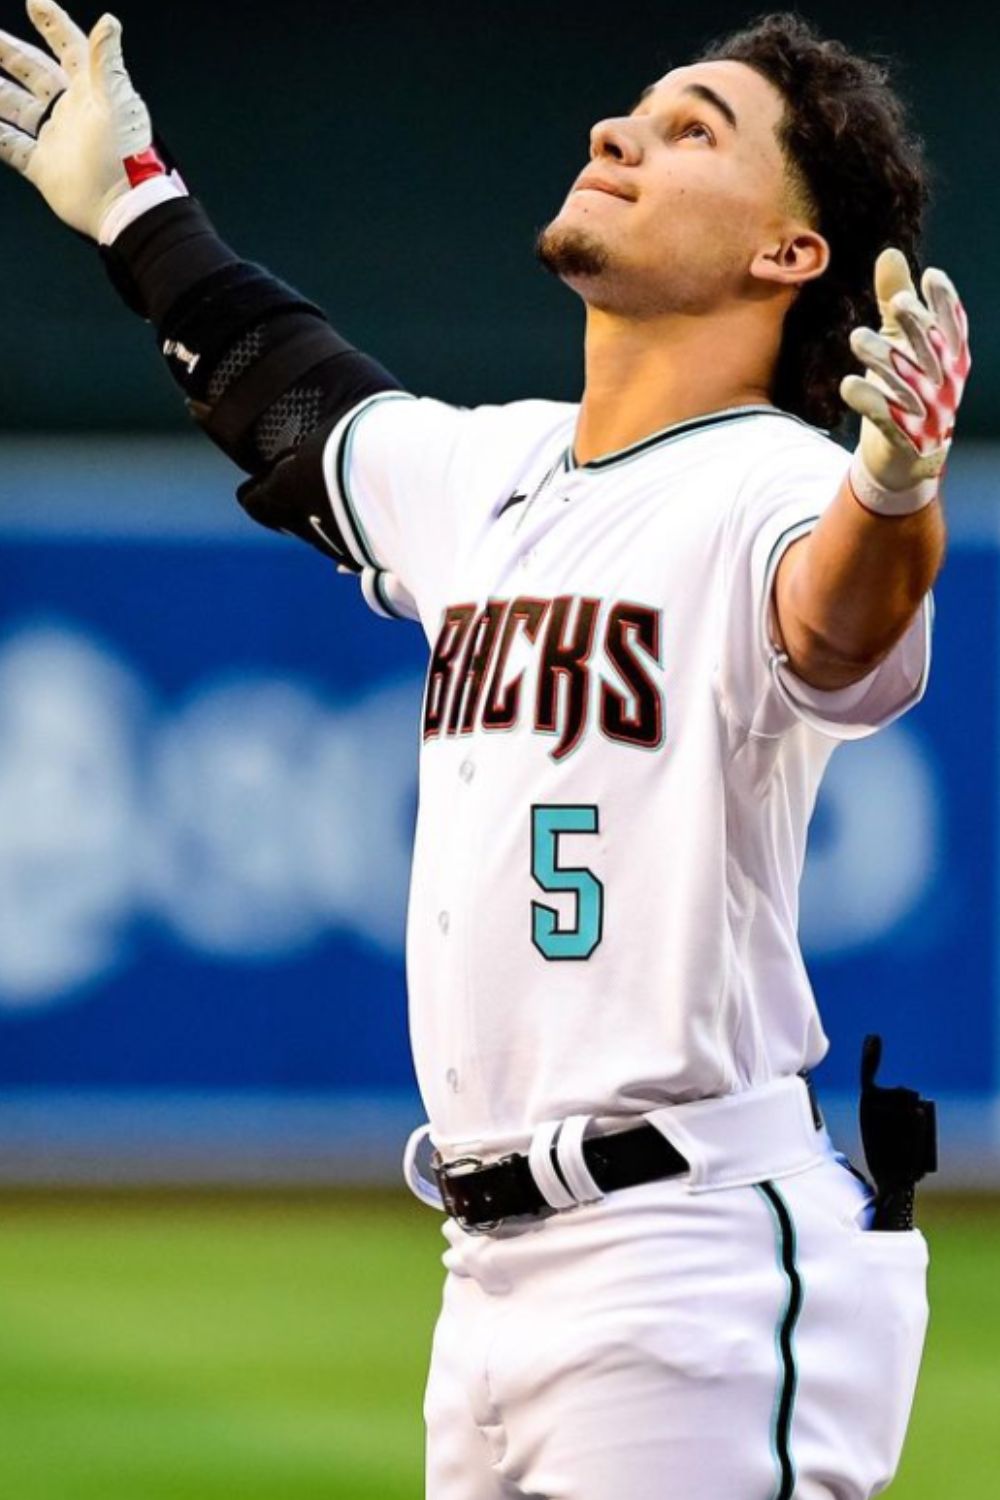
{"x": 652, "y": 616}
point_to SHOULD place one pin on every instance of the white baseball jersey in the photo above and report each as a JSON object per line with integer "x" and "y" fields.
{"x": 618, "y": 767}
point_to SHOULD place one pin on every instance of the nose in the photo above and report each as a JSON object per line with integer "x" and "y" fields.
{"x": 618, "y": 140}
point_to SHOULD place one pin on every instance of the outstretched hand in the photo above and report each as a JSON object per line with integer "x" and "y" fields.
{"x": 916, "y": 369}
{"x": 71, "y": 121}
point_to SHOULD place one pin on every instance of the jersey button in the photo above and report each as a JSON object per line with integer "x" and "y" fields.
{"x": 444, "y": 921}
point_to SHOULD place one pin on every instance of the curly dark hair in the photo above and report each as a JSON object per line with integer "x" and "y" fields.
{"x": 864, "y": 181}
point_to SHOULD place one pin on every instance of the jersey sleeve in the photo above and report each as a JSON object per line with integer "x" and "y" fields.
{"x": 781, "y": 499}
{"x": 410, "y": 481}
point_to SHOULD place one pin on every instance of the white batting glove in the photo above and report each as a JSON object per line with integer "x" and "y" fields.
{"x": 93, "y": 147}
{"x": 916, "y": 369}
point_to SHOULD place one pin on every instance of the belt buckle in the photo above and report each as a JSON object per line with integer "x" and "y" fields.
{"x": 446, "y": 1173}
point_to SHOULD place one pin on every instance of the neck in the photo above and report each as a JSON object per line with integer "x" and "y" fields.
{"x": 642, "y": 376}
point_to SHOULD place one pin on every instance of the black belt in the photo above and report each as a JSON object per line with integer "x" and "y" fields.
{"x": 481, "y": 1195}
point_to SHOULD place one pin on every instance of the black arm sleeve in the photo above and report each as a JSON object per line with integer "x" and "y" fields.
{"x": 261, "y": 369}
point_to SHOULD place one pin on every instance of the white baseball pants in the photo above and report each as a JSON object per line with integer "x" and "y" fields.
{"x": 749, "y": 1343}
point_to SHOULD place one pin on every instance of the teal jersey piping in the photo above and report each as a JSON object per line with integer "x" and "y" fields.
{"x": 342, "y": 470}
{"x": 378, "y": 585}
{"x": 793, "y": 532}
{"x": 680, "y": 430}
{"x": 784, "y": 1404}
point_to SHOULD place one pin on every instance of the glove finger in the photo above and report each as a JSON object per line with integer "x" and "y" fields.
{"x": 18, "y": 107}
{"x": 946, "y": 305}
{"x": 892, "y": 275}
{"x": 15, "y": 148}
{"x": 917, "y": 323}
{"x": 876, "y": 354}
{"x": 107, "y": 66}
{"x": 870, "y": 403}
{"x": 60, "y": 32}
{"x": 861, "y": 396}
{"x": 903, "y": 398}
{"x": 32, "y": 68}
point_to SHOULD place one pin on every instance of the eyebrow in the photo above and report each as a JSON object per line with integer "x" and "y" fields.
{"x": 700, "y": 91}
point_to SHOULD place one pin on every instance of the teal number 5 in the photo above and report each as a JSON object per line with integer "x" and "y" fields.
{"x": 551, "y": 940}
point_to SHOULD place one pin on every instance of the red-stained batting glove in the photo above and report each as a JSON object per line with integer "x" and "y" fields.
{"x": 916, "y": 369}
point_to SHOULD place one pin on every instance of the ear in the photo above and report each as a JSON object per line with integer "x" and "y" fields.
{"x": 799, "y": 257}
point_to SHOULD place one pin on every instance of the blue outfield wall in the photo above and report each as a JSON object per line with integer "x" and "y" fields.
{"x": 207, "y": 789}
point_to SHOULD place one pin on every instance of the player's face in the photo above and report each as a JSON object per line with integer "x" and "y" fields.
{"x": 681, "y": 198}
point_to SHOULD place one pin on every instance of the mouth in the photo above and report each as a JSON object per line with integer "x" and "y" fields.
{"x": 592, "y": 182}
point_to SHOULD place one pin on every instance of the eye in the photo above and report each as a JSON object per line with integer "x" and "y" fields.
{"x": 696, "y": 131}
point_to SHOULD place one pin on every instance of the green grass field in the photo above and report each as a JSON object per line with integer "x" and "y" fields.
{"x": 156, "y": 1348}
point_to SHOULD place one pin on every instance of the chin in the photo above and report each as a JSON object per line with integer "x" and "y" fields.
{"x": 571, "y": 251}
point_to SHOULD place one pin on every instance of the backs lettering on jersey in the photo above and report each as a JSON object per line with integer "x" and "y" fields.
{"x": 570, "y": 649}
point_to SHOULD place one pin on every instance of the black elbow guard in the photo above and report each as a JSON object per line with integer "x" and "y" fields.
{"x": 282, "y": 357}
{"x": 258, "y": 363}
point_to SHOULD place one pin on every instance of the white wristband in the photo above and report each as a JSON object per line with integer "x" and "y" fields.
{"x": 138, "y": 201}
{"x": 883, "y": 502}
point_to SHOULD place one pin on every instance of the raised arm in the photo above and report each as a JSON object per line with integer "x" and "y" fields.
{"x": 847, "y": 592}
{"x": 262, "y": 371}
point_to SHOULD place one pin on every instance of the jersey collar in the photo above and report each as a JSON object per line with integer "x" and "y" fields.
{"x": 676, "y": 430}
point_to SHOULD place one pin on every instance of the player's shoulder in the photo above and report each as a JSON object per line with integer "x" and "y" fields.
{"x": 723, "y": 447}
{"x": 531, "y": 415}
{"x": 771, "y": 437}
{"x": 399, "y": 421}
{"x": 752, "y": 432}
{"x": 768, "y": 456}
{"x": 527, "y": 421}
{"x": 782, "y": 467}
